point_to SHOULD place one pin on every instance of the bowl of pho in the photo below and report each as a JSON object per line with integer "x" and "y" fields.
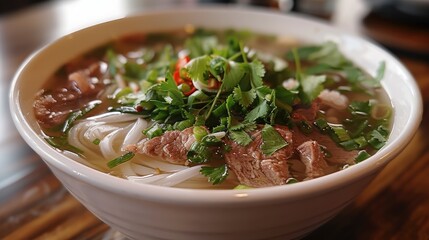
{"x": 181, "y": 124}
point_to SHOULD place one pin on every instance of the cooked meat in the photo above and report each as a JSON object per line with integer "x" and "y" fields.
{"x": 313, "y": 158}
{"x": 172, "y": 146}
{"x": 333, "y": 99}
{"x": 255, "y": 169}
{"x": 339, "y": 155}
{"x": 305, "y": 113}
{"x": 51, "y": 107}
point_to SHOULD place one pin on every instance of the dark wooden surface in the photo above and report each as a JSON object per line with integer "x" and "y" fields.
{"x": 34, "y": 205}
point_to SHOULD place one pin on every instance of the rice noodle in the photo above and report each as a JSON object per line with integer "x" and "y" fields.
{"x": 135, "y": 134}
{"x": 143, "y": 170}
{"x": 117, "y": 130}
{"x": 147, "y": 179}
{"x": 108, "y": 142}
{"x": 114, "y": 117}
{"x": 179, "y": 177}
{"x": 75, "y": 139}
{"x": 169, "y": 179}
{"x": 159, "y": 164}
{"x": 127, "y": 170}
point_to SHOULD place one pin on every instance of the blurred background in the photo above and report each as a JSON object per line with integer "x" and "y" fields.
{"x": 383, "y": 20}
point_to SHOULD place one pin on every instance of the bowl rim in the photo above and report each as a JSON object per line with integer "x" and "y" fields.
{"x": 281, "y": 193}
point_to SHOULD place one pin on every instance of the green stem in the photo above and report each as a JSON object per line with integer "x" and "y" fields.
{"x": 297, "y": 64}
{"x": 214, "y": 102}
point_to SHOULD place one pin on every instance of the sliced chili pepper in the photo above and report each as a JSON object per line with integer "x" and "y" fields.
{"x": 181, "y": 62}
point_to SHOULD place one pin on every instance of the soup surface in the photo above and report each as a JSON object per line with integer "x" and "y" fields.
{"x": 208, "y": 109}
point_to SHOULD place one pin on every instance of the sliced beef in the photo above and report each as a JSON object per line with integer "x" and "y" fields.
{"x": 172, "y": 146}
{"x": 255, "y": 169}
{"x": 312, "y": 156}
{"x": 338, "y": 154}
{"x": 51, "y": 107}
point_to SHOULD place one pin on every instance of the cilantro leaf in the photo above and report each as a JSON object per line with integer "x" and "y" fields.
{"x": 259, "y": 111}
{"x": 311, "y": 87}
{"x": 215, "y": 175}
{"x": 240, "y": 137}
{"x": 245, "y": 99}
{"x": 201, "y": 45}
{"x": 169, "y": 91}
{"x": 328, "y": 54}
{"x": 233, "y": 75}
{"x": 198, "y": 67}
{"x": 250, "y": 126}
{"x": 271, "y": 140}
{"x": 257, "y": 71}
{"x": 285, "y": 98}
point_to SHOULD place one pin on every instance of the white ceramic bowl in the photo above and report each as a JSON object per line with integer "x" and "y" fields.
{"x": 151, "y": 212}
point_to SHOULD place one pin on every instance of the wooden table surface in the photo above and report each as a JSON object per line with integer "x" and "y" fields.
{"x": 34, "y": 205}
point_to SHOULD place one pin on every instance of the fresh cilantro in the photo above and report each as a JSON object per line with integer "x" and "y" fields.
{"x": 360, "y": 107}
{"x": 250, "y": 126}
{"x": 240, "y": 137}
{"x": 285, "y": 98}
{"x": 259, "y": 111}
{"x": 311, "y": 87}
{"x": 271, "y": 140}
{"x": 133, "y": 70}
{"x": 205, "y": 150}
{"x": 215, "y": 175}
{"x": 201, "y": 45}
{"x": 328, "y": 54}
{"x": 112, "y": 62}
{"x": 303, "y": 52}
{"x": 233, "y": 75}
{"x": 245, "y": 99}
{"x": 257, "y": 71}
{"x": 197, "y": 68}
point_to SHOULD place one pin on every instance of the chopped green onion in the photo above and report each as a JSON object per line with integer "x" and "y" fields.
{"x": 96, "y": 141}
{"x": 119, "y": 160}
{"x": 291, "y": 180}
{"x": 305, "y": 127}
{"x": 322, "y": 125}
{"x": 340, "y": 132}
{"x": 349, "y": 145}
{"x": 377, "y": 140}
{"x": 77, "y": 115}
{"x": 362, "y": 155}
{"x": 241, "y": 186}
{"x": 154, "y": 131}
{"x": 199, "y": 133}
